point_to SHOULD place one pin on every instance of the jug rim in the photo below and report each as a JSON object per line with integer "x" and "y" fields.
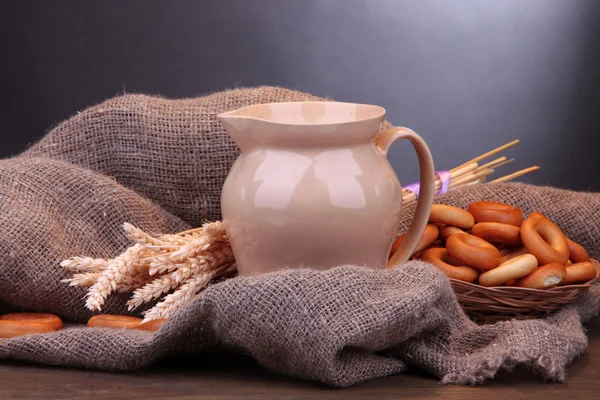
{"x": 379, "y": 113}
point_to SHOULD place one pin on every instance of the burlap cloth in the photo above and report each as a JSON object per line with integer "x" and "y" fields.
{"x": 160, "y": 164}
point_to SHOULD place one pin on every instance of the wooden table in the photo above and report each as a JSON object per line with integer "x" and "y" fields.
{"x": 236, "y": 377}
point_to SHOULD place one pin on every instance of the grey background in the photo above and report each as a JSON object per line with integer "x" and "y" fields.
{"x": 468, "y": 75}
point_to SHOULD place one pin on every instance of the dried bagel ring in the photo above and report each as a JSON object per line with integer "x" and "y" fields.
{"x": 577, "y": 253}
{"x": 544, "y": 277}
{"x": 537, "y": 214}
{"x": 509, "y": 271}
{"x": 545, "y": 240}
{"x": 18, "y": 324}
{"x": 473, "y": 251}
{"x": 505, "y": 250}
{"x": 440, "y": 258}
{"x": 579, "y": 272}
{"x": 489, "y": 211}
{"x": 447, "y": 230}
{"x": 114, "y": 321}
{"x": 152, "y": 325}
{"x": 514, "y": 253}
{"x": 449, "y": 215}
{"x": 430, "y": 234}
{"x": 498, "y": 233}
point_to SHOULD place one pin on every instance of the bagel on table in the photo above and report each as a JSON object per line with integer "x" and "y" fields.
{"x": 19, "y": 324}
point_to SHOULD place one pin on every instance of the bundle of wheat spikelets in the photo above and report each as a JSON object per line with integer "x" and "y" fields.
{"x": 174, "y": 266}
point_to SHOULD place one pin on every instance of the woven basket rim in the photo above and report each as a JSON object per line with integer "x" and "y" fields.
{"x": 513, "y": 289}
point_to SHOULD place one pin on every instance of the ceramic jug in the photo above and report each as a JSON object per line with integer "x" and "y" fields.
{"x": 312, "y": 187}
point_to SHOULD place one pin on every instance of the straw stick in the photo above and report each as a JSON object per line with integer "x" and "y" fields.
{"x": 515, "y": 174}
{"x": 504, "y": 163}
{"x": 465, "y": 168}
{"x": 471, "y": 173}
{"x": 408, "y": 196}
{"x": 491, "y": 164}
{"x": 189, "y": 231}
{"x": 454, "y": 174}
{"x": 493, "y": 152}
{"x": 472, "y": 177}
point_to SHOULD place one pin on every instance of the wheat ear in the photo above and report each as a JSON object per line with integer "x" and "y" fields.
{"x": 84, "y": 264}
{"x": 175, "y": 301}
{"x": 114, "y": 274}
{"x": 85, "y": 279}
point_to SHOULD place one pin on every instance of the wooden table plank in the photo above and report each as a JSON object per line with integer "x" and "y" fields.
{"x": 237, "y": 377}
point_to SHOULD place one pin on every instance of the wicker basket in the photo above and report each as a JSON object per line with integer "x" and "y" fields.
{"x": 492, "y": 304}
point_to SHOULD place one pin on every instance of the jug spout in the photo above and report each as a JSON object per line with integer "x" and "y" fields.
{"x": 302, "y": 124}
{"x": 239, "y": 128}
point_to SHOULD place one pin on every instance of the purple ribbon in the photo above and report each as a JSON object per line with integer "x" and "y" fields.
{"x": 444, "y": 177}
{"x": 414, "y": 187}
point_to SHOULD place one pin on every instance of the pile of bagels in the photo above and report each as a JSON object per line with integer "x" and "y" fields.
{"x": 492, "y": 244}
{"x": 19, "y": 324}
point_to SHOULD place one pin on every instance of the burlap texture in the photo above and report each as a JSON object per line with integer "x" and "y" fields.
{"x": 173, "y": 152}
{"x": 159, "y": 164}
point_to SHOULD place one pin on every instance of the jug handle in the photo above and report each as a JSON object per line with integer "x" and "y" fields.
{"x": 427, "y": 190}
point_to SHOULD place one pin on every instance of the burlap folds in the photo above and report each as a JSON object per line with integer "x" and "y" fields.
{"x": 159, "y": 164}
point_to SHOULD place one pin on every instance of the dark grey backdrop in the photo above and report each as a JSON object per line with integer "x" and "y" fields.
{"x": 467, "y": 75}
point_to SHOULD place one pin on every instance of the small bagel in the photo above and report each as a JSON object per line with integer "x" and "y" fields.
{"x": 545, "y": 240}
{"x": 114, "y": 321}
{"x": 19, "y": 324}
{"x": 513, "y": 269}
{"x": 473, "y": 251}
{"x": 544, "y": 277}
{"x": 449, "y": 215}
{"x": 152, "y": 325}
{"x": 577, "y": 253}
{"x": 436, "y": 244}
{"x": 489, "y": 211}
{"x": 447, "y": 230}
{"x": 537, "y": 214}
{"x": 440, "y": 258}
{"x": 430, "y": 234}
{"x": 498, "y": 233}
{"x": 504, "y": 250}
{"x": 514, "y": 253}
{"x": 579, "y": 272}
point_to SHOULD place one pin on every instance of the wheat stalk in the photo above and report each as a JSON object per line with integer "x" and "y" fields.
{"x": 141, "y": 237}
{"x": 181, "y": 297}
{"x": 176, "y": 265}
{"x": 84, "y": 264}
{"x": 134, "y": 281}
{"x": 115, "y": 273}
{"x": 84, "y": 279}
{"x": 151, "y": 291}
